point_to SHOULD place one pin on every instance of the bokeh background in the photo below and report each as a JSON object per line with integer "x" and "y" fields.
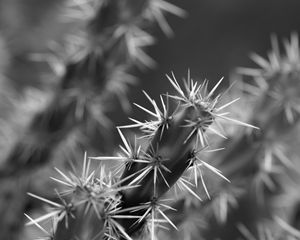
{"x": 214, "y": 38}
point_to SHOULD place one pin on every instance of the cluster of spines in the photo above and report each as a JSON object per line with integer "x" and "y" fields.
{"x": 277, "y": 81}
{"x": 134, "y": 200}
{"x": 277, "y": 92}
{"x": 259, "y": 164}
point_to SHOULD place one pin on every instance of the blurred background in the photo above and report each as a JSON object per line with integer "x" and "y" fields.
{"x": 212, "y": 40}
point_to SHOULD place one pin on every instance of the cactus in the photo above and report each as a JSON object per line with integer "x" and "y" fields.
{"x": 189, "y": 171}
{"x": 129, "y": 201}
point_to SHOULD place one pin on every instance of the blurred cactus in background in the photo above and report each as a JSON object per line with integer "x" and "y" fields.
{"x": 93, "y": 65}
{"x": 206, "y": 163}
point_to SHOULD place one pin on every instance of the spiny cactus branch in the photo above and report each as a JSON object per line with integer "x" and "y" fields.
{"x": 131, "y": 199}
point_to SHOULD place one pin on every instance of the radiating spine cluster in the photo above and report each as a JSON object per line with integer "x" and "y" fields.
{"x": 262, "y": 200}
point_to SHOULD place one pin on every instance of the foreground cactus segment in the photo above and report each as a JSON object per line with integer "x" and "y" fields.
{"x": 128, "y": 201}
